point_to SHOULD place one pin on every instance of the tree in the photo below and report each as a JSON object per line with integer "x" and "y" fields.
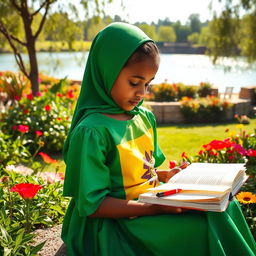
{"x": 194, "y": 38}
{"x": 233, "y": 31}
{"x": 59, "y": 27}
{"x": 166, "y": 34}
{"x": 182, "y": 32}
{"x": 24, "y": 39}
{"x": 149, "y": 30}
{"x": 194, "y": 23}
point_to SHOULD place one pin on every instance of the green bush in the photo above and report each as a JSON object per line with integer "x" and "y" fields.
{"x": 239, "y": 148}
{"x": 204, "y": 110}
{"x": 174, "y": 92}
{"x": 47, "y": 115}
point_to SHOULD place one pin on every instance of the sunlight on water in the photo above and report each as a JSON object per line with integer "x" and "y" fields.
{"x": 186, "y": 68}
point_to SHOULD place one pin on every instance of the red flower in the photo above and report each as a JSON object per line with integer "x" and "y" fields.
{"x": 30, "y": 96}
{"x": 39, "y": 94}
{"x": 231, "y": 157}
{"x": 38, "y": 133}
{"x": 200, "y": 152}
{"x": 70, "y": 94}
{"x": 251, "y": 152}
{"x": 183, "y": 155}
{"x": 47, "y": 108}
{"x": 172, "y": 164}
{"x": 16, "y": 97}
{"x": 212, "y": 153}
{"x": 47, "y": 159}
{"x": 25, "y": 111}
{"x": 23, "y": 128}
{"x": 14, "y": 127}
{"x": 207, "y": 147}
{"x": 26, "y": 190}
{"x": 59, "y": 95}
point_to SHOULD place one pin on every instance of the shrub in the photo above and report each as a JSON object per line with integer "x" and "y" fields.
{"x": 204, "y": 110}
{"x": 174, "y": 92}
{"x": 239, "y": 148}
{"x": 204, "y": 89}
{"x": 47, "y": 115}
{"x": 14, "y": 85}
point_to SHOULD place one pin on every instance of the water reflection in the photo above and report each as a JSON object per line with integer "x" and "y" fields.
{"x": 185, "y": 68}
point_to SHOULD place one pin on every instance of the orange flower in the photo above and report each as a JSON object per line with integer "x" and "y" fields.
{"x": 246, "y": 197}
{"x": 47, "y": 159}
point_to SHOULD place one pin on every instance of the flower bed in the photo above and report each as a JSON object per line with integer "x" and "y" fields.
{"x": 238, "y": 148}
{"x": 31, "y": 127}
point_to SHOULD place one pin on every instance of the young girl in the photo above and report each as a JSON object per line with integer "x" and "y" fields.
{"x": 111, "y": 154}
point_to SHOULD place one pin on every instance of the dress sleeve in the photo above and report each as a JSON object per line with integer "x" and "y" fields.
{"x": 158, "y": 154}
{"x": 87, "y": 176}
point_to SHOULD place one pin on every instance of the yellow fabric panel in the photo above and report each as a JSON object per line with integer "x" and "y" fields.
{"x": 137, "y": 165}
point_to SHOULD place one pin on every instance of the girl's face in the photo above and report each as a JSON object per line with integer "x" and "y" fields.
{"x": 132, "y": 83}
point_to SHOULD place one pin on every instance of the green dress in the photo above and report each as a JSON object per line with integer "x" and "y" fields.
{"x": 118, "y": 159}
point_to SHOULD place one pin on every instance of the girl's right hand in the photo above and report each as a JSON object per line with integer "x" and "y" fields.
{"x": 163, "y": 209}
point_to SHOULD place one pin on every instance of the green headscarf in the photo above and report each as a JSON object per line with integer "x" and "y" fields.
{"x": 109, "y": 52}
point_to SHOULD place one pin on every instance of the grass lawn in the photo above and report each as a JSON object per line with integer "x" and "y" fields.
{"x": 175, "y": 139}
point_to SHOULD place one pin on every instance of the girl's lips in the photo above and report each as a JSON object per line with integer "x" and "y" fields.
{"x": 134, "y": 103}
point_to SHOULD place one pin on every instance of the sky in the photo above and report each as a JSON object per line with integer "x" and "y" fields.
{"x": 152, "y": 10}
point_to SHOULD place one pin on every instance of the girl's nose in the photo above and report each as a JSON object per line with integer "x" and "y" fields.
{"x": 141, "y": 91}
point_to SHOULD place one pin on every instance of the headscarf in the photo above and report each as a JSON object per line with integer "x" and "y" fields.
{"x": 109, "y": 52}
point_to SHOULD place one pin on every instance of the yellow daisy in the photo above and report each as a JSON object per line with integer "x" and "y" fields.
{"x": 246, "y": 197}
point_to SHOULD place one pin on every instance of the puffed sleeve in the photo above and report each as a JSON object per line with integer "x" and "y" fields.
{"x": 87, "y": 177}
{"x": 158, "y": 154}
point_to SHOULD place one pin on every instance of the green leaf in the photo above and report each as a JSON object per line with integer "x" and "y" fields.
{"x": 37, "y": 248}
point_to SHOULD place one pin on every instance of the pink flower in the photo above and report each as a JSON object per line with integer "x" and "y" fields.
{"x": 23, "y": 128}
{"x": 239, "y": 149}
{"x": 51, "y": 177}
{"x": 38, "y": 133}
{"x": 14, "y": 127}
{"x": 39, "y": 94}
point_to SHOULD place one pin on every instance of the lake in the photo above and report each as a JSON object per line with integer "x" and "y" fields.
{"x": 185, "y": 68}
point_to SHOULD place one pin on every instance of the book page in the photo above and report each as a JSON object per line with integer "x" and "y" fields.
{"x": 206, "y": 174}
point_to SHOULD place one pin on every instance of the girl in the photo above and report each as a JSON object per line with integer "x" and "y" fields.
{"x": 111, "y": 154}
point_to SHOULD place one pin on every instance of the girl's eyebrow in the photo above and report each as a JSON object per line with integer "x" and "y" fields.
{"x": 142, "y": 77}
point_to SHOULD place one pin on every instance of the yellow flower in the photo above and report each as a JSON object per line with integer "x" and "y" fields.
{"x": 239, "y": 126}
{"x": 246, "y": 197}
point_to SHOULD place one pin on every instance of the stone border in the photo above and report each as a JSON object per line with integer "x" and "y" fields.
{"x": 170, "y": 112}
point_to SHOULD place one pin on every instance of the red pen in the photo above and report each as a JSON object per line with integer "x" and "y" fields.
{"x": 169, "y": 192}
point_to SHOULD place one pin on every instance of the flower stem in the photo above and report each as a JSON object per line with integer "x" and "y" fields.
{"x": 27, "y": 224}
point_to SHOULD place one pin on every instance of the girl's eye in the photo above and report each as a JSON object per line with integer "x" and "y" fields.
{"x": 133, "y": 84}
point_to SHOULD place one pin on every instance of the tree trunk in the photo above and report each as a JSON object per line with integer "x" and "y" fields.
{"x": 33, "y": 75}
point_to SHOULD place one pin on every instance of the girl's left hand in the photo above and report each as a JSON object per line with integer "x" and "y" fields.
{"x": 165, "y": 175}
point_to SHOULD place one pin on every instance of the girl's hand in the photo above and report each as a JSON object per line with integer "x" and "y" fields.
{"x": 163, "y": 209}
{"x": 165, "y": 175}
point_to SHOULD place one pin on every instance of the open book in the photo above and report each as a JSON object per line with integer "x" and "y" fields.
{"x": 204, "y": 186}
